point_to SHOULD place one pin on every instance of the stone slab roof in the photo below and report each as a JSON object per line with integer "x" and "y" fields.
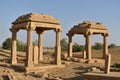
{"x": 35, "y": 21}
{"x": 88, "y": 26}
{"x": 34, "y": 17}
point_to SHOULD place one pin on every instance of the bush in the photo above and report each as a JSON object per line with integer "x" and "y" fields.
{"x": 112, "y": 46}
{"x": 64, "y": 45}
{"x": 78, "y": 48}
{"x": 7, "y": 45}
{"x": 116, "y": 65}
{"x": 21, "y": 46}
{"x": 97, "y": 46}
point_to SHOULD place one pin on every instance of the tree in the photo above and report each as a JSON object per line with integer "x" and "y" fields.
{"x": 78, "y": 48}
{"x": 35, "y": 42}
{"x": 20, "y": 45}
{"x": 97, "y": 46}
{"x": 64, "y": 45}
{"x": 112, "y": 45}
{"x": 7, "y": 44}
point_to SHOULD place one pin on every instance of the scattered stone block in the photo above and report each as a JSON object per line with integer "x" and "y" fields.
{"x": 11, "y": 75}
{"x": 75, "y": 59}
{"x": 94, "y": 69}
{"x": 81, "y": 60}
{"x": 64, "y": 56}
{"x": 84, "y": 54}
{"x": 68, "y": 58}
{"x": 66, "y": 63}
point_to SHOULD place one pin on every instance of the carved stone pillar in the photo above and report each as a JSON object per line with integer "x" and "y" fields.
{"x": 35, "y": 51}
{"x": 105, "y": 45}
{"x": 88, "y": 46}
{"x": 70, "y": 45}
{"x": 40, "y": 46}
{"x": 107, "y": 63}
{"x": 58, "y": 48}
{"x": 84, "y": 52}
{"x": 29, "y": 55}
{"x": 13, "y": 46}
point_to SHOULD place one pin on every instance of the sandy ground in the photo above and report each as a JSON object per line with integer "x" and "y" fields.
{"x": 72, "y": 71}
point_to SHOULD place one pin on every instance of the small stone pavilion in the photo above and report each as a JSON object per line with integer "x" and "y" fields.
{"x": 87, "y": 29}
{"x": 39, "y": 23}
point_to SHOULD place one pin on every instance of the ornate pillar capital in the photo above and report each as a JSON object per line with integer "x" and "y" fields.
{"x": 105, "y": 34}
{"x": 30, "y": 26}
{"x": 70, "y": 34}
{"x": 88, "y": 33}
{"x": 58, "y": 30}
{"x": 14, "y": 30}
{"x": 39, "y": 31}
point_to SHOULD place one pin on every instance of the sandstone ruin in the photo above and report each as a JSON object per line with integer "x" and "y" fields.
{"x": 39, "y": 23}
{"x": 87, "y": 29}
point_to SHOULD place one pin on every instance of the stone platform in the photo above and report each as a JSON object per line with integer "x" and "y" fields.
{"x": 36, "y": 68}
{"x": 101, "y": 76}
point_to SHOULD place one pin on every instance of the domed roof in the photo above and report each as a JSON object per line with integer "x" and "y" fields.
{"x": 34, "y": 17}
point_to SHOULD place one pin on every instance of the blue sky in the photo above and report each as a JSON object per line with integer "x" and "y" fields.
{"x": 68, "y": 12}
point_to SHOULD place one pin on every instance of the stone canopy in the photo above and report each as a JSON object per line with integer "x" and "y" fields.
{"x": 38, "y": 23}
{"x": 88, "y": 27}
{"x": 38, "y": 20}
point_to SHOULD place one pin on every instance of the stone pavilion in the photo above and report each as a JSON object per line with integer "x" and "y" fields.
{"x": 87, "y": 29}
{"x": 39, "y": 23}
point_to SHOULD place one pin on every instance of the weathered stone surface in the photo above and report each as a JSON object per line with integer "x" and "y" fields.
{"x": 81, "y": 60}
{"x": 39, "y": 23}
{"x": 11, "y": 75}
{"x": 75, "y": 59}
{"x": 64, "y": 56}
{"x": 36, "y": 18}
{"x": 66, "y": 63}
{"x": 101, "y": 76}
{"x": 107, "y": 63}
{"x": 87, "y": 26}
{"x": 87, "y": 29}
{"x": 35, "y": 51}
{"x": 94, "y": 69}
{"x": 68, "y": 58}
{"x": 84, "y": 54}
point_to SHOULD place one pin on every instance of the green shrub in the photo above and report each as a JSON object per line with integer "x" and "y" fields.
{"x": 7, "y": 44}
{"x": 97, "y": 46}
{"x": 112, "y": 45}
{"x": 64, "y": 45}
{"x": 20, "y": 45}
{"x": 78, "y": 48}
